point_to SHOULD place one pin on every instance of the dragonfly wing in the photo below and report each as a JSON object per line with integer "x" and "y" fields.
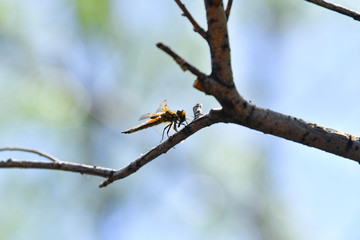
{"x": 145, "y": 116}
{"x": 163, "y": 107}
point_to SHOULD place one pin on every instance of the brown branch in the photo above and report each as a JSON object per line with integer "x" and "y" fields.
{"x": 300, "y": 131}
{"x": 228, "y": 9}
{"x": 214, "y": 116}
{"x": 180, "y": 61}
{"x": 64, "y": 166}
{"x": 218, "y": 40}
{"x": 337, "y": 8}
{"x": 20, "y": 149}
{"x": 196, "y": 26}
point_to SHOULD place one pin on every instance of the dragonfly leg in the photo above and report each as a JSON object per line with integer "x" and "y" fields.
{"x": 168, "y": 126}
{"x": 162, "y": 136}
{"x": 167, "y": 133}
{"x": 175, "y": 127}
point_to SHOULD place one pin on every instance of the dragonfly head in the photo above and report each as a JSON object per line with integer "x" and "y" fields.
{"x": 181, "y": 116}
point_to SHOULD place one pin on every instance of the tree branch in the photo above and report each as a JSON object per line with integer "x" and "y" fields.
{"x": 64, "y": 166}
{"x": 337, "y": 8}
{"x": 218, "y": 40}
{"x": 220, "y": 83}
{"x": 186, "y": 13}
{"x": 300, "y": 131}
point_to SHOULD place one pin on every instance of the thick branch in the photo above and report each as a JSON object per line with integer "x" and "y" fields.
{"x": 213, "y": 117}
{"x": 337, "y": 8}
{"x": 300, "y": 131}
{"x": 218, "y": 41}
{"x": 196, "y": 26}
{"x": 64, "y": 166}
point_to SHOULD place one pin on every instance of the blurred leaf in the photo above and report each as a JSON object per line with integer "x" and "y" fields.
{"x": 93, "y": 14}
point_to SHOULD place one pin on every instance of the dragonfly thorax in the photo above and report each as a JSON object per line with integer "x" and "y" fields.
{"x": 181, "y": 116}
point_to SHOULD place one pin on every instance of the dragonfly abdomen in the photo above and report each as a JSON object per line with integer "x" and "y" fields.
{"x": 148, "y": 124}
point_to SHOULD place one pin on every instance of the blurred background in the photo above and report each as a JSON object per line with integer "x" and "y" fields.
{"x": 75, "y": 73}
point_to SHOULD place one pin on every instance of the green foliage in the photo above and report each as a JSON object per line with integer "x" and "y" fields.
{"x": 93, "y": 14}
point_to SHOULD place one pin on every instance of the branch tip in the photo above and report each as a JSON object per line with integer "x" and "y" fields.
{"x": 187, "y": 14}
{"x": 21, "y": 149}
{"x": 228, "y": 9}
{"x": 336, "y": 8}
{"x": 64, "y": 166}
{"x": 185, "y": 66}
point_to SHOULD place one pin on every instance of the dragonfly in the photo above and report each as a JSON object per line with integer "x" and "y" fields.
{"x": 162, "y": 115}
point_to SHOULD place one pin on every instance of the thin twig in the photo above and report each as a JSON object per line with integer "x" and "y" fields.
{"x": 337, "y": 8}
{"x": 64, "y": 166}
{"x": 228, "y": 9}
{"x": 20, "y": 149}
{"x": 180, "y": 61}
{"x": 196, "y": 26}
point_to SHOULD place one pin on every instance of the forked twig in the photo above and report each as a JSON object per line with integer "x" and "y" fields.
{"x": 337, "y": 8}
{"x": 20, "y": 149}
{"x": 186, "y": 13}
